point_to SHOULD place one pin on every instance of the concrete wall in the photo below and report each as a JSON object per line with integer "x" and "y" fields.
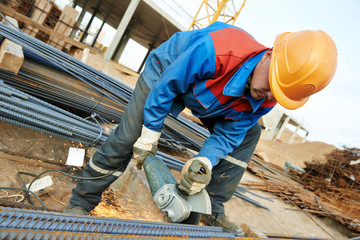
{"x": 275, "y": 127}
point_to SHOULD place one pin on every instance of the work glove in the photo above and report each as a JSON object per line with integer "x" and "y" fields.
{"x": 196, "y": 175}
{"x": 145, "y": 145}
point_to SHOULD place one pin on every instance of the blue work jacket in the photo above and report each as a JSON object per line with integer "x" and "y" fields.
{"x": 206, "y": 71}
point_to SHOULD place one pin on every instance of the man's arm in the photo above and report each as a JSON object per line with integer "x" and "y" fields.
{"x": 228, "y": 135}
{"x": 198, "y": 62}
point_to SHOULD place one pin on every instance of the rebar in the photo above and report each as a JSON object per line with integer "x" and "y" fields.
{"x": 39, "y": 222}
{"x": 191, "y": 134}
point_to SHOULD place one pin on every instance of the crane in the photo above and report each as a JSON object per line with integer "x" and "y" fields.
{"x": 211, "y": 10}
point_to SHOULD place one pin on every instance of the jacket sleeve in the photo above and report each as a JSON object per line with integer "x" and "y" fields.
{"x": 228, "y": 135}
{"x": 197, "y": 62}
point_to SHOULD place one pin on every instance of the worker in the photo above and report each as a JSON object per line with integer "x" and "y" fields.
{"x": 228, "y": 80}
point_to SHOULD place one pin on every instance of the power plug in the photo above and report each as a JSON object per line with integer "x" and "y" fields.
{"x": 40, "y": 186}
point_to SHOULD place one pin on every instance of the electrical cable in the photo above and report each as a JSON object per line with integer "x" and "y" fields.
{"x": 64, "y": 173}
{"x": 28, "y": 191}
{"x": 6, "y": 194}
{"x": 92, "y": 116}
{"x": 13, "y": 195}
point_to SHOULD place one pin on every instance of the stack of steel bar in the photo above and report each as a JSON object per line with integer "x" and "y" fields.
{"x": 54, "y": 86}
{"x": 336, "y": 182}
{"x": 191, "y": 136}
{"x": 30, "y": 224}
{"x": 325, "y": 200}
{"x": 25, "y": 110}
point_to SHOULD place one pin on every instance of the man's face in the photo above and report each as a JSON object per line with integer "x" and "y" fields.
{"x": 260, "y": 87}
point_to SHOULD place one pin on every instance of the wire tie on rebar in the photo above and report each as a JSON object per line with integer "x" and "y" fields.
{"x": 101, "y": 97}
{"x": 105, "y": 121}
{"x": 93, "y": 117}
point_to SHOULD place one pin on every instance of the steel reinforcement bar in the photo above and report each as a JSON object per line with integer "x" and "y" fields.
{"x": 100, "y": 82}
{"x": 30, "y": 224}
{"x": 11, "y": 204}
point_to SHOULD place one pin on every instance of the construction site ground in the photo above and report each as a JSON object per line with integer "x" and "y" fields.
{"x": 26, "y": 150}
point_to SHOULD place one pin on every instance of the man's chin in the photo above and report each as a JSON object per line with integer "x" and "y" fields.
{"x": 257, "y": 98}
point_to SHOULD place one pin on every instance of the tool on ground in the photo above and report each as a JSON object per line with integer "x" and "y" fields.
{"x": 179, "y": 206}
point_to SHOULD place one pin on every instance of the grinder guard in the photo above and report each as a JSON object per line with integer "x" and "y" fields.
{"x": 179, "y": 207}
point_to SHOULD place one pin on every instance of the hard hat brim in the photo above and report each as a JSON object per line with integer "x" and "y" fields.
{"x": 280, "y": 97}
{"x": 277, "y": 92}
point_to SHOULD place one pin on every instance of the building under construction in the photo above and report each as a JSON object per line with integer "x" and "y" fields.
{"x": 61, "y": 91}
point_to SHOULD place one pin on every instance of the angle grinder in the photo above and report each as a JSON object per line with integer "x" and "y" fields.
{"x": 178, "y": 205}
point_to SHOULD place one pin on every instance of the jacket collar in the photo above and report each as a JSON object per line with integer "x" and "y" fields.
{"x": 236, "y": 85}
{"x": 255, "y": 104}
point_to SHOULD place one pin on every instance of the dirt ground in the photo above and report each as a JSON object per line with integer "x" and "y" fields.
{"x": 296, "y": 153}
{"x": 26, "y": 150}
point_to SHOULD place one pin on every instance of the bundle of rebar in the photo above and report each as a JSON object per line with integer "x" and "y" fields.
{"x": 337, "y": 172}
{"x": 316, "y": 191}
{"x": 105, "y": 89}
{"x": 29, "y": 224}
{"x": 27, "y": 111}
{"x": 53, "y": 86}
{"x": 337, "y": 181}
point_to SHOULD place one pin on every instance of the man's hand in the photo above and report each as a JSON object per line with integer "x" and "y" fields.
{"x": 145, "y": 145}
{"x": 196, "y": 175}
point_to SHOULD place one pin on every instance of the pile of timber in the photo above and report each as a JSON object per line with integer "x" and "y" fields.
{"x": 44, "y": 20}
{"x": 312, "y": 191}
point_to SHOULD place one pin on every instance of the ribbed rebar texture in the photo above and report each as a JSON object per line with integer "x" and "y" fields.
{"x": 11, "y": 204}
{"x": 38, "y": 222}
{"x": 27, "y": 111}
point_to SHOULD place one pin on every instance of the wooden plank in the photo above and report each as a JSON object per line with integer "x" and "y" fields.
{"x": 126, "y": 70}
{"x": 34, "y": 162}
{"x": 41, "y": 10}
{"x": 20, "y": 17}
{"x": 251, "y": 231}
{"x": 11, "y": 54}
{"x": 63, "y": 26}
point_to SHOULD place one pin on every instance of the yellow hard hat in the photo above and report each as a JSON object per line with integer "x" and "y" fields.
{"x": 302, "y": 63}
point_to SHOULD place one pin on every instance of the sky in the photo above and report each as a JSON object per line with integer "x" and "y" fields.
{"x": 332, "y": 114}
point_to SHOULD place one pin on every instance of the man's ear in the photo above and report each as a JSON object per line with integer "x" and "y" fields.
{"x": 268, "y": 54}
